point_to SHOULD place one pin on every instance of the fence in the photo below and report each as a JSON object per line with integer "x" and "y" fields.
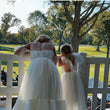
{"x": 95, "y": 89}
{"x": 84, "y": 70}
{"x": 9, "y": 90}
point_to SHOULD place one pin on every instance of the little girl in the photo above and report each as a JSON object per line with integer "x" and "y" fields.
{"x": 73, "y": 92}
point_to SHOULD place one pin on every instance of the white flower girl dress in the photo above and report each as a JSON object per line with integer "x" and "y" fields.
{"x": 73, "y": 91}
{"x": 41, "y": 85}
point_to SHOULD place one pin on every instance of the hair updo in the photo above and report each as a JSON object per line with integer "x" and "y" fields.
{"x": 42, "y": 38}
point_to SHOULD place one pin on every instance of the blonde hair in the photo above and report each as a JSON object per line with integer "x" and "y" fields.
{"x": 41, "y": 38}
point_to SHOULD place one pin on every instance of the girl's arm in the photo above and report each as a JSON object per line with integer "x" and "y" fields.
{"x": 60, "y": 63}
{"x": 63, "y": 62}
{"x": 23, "y": 50}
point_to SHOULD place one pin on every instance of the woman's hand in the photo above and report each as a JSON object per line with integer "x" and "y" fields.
{"x": 22, "y": 50}
{"x": 19, "y": 50}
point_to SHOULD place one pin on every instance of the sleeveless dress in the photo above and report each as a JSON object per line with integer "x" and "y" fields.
{"x": 41, "y": 85}
{"x": 73, "y": 91}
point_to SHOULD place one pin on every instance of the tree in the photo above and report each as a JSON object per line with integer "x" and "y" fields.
{"x": 58, "y": 23}
{"x": 97, "y": 41}
{"x": 8, "y": 20}
{"x": 106, "y": 34}
{"x": 1, "y": 36}
{"x": 20, "y": 35}
{"x": 101, "y": 29}
{"x": 11, "y": 38}
{"x": 26, "y": 35}
{"x": 38, "y": 20}
{"x": 84, "y": 12}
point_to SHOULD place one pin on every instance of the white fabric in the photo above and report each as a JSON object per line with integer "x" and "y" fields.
{"x": 78, "y": 58}
{"x": 73, "y": 91}
{"x": 42, "y": 54}
{"x": 41, "y": 85}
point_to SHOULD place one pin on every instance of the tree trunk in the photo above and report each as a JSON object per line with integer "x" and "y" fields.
{"x": 107, "y": 51}
{"x": 98, "y": 46}
{"x": 60, "y": 36}
{"x": 75, "y": 40}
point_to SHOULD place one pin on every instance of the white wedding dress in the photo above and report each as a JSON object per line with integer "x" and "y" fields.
{"x": 41, "y": 85}
{"x": 73, "y": 91}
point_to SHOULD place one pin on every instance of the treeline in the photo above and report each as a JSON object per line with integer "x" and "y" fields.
{"x": 22, "y": 37}
{"x": 27, "y": 35}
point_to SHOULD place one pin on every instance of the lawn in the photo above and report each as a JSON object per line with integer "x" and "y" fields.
{"x": 90, "y": 50}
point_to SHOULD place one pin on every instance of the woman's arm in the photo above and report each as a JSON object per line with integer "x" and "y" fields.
{"x": 23, "y": 50}
{"x": 55, "y": 56}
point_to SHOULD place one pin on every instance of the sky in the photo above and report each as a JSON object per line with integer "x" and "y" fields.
{"x": 21, "y": 10}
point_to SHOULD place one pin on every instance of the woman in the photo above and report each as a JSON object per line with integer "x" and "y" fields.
{"x": 41, "y": 86}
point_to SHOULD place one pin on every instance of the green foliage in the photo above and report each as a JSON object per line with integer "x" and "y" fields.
{"x": 95, "y": 41}
{"x": 59, "y": 24}
{"x": 8, "y": 20}
{"x": 102, "y": 26}
{"x": 87, "y": 40}
{"x": 38, "y": 20}
{"x": 101, "y": 30}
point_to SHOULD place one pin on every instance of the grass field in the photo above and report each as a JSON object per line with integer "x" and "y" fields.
{"x": 90, "y": 50}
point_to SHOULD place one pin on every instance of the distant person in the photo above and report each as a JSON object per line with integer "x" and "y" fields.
{"x": 4, "y": 76}
{"x": 41, "y": 85}
{"x": 73, "y": 91}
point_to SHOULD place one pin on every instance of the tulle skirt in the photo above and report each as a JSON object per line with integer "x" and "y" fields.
{"x": 73, "y": 91}
{"x": 40, "y": 88}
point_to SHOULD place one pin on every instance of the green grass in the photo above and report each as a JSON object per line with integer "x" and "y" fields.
{"x": 90, "y": 50}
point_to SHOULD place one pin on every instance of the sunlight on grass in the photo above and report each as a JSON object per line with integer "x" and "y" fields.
{"x": 101, "y": 72}
{"x": 91, "y": 51}
{"x": 91, "y": 74}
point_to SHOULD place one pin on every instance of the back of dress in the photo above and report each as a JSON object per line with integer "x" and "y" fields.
{"x": 41, "y": 86}
{"x": 41, "y": 54}
{"x": 73, "y": 91}
{"x": 41, "y": 50}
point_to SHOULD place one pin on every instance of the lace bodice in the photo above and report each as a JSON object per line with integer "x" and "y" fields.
{"x": 41, "y": 54}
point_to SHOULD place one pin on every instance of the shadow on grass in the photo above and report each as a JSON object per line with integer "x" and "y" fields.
{"x": 95, "y": 51}
{"x": 2, "y": 48}
{"x": 102, "y": 52}
{"x": 5, "y": 63}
